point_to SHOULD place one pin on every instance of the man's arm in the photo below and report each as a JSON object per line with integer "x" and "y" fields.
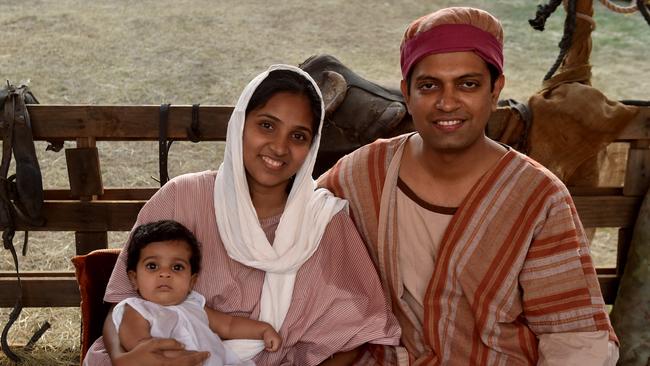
{"x": 559, "y": 281}
{"x": 151, "y": 352}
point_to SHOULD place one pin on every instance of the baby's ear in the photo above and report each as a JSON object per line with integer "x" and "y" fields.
{"x": 133, "y": 277}
{"x": 193, "y": 281}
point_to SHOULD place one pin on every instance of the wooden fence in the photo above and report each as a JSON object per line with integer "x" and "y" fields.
{"x": 91, "y": 210}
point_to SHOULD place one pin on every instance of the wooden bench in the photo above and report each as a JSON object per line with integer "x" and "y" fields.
{"x": 91, "y": 210}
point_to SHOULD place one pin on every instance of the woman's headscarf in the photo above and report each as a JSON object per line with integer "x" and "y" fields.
{"x": 306, "y": 214}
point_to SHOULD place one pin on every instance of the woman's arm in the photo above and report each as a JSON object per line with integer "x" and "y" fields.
{"x": 151, "y": 352}
{"x": 236, "y": 327}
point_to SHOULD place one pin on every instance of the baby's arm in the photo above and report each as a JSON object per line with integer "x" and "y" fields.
{"x": 235, "y": 327}
{"x": 133, "y": 328}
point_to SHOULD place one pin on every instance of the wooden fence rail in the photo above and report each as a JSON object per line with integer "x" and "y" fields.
{"x": 91, "y": 210}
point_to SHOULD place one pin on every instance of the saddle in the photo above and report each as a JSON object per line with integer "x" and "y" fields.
{"x": 21, "y": 194}
{"x": 357, "y": 111}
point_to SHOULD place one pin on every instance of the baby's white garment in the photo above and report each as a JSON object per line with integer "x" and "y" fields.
{"x": 186, "y": 322}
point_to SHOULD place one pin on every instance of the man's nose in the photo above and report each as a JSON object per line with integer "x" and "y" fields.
{"x": 447, "y": 100}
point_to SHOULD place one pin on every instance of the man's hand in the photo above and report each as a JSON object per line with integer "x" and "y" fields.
{"x": 272, "y": 339}
{"x": 160, "y": 352}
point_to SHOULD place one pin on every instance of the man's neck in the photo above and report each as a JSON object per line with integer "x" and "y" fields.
{"x": 457, "y": 165}
{"x": 445, "y": 177}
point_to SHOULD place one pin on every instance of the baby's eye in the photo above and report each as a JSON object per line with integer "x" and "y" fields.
{"x": 300, "y": 136}
{"x": 178, "y": 267}
{"x": 151, "y": 266}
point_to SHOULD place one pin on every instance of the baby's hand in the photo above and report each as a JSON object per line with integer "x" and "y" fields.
{"x": 272, "y": 339}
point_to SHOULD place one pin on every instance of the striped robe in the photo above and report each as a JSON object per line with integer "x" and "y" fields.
{"x": 337, "y": 302}
{"x": 513, "y": 263}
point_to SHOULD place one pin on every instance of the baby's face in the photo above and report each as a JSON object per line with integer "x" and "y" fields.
{"x": 163, "y": 274}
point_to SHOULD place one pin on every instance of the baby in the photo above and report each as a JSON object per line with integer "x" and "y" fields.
{"x": 163, "y": 263}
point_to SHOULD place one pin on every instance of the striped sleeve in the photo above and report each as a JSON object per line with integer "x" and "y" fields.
{"x": 559, "y": 284}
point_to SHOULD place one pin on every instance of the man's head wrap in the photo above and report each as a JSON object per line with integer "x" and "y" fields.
{"x": 455, "y": 29}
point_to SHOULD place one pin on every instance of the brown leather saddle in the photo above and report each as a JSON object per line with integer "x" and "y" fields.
{"x": 357, "y": 111}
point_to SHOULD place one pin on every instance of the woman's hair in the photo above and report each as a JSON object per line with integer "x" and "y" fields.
{"x": 290, "y": 82}
{"x": 164, "y": 230}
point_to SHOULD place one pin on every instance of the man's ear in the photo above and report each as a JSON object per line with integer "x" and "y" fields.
{"x": 133, "y": 277}
{"x": 499, "y": 83}
{"x": 405, "y": 92}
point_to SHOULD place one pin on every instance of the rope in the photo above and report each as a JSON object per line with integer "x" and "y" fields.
{"x": 620, "y": 9}
{"x": 542, "y": 14}
{"x": 588, "y": 19}
{"x": 643, "y": 7}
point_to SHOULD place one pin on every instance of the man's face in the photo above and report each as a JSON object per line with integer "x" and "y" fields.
{"x": 451, "y": 99}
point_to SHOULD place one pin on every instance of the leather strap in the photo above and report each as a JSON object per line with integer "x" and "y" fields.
{"x": 163, "y": 144}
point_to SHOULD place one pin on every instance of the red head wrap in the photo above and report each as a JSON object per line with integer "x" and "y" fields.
{"x": 451, "y": 38}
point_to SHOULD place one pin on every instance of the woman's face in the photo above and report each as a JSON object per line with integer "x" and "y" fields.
{"x": 277, "y": 138}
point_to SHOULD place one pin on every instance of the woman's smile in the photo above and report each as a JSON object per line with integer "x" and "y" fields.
{"x": 271, "y": 163}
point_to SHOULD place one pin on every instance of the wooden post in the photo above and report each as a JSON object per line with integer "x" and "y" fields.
{"x": 85, "y": 178}
{"x": 637, "y": 183}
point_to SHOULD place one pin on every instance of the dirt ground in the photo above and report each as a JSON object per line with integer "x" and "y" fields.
{"x": 201, "y": 51}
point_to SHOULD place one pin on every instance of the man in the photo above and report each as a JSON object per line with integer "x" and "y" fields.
{"x": 479, "y": 248}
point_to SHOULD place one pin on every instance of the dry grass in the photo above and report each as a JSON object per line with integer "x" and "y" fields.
{"x": 200, "y": 51}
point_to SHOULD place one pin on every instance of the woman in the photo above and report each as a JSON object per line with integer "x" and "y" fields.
{"x": 274, "y": 248}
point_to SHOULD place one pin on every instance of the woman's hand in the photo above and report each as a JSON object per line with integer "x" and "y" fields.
{"x": 272, "y": 339}
{"x": 160, "y": 352}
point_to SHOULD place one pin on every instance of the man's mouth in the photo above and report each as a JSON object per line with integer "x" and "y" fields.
{"x": 450, "y": 122}
{"x": 164, "y": 287}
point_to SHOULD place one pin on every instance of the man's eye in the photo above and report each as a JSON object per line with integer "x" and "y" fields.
{"x": 178, "y": 267}
{"x": 426, "y": 86}
{"x": 151, "y": 266}
{"x": 469, "y": 84}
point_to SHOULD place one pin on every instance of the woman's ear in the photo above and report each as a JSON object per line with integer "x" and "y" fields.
{"x": 133, "y": 277}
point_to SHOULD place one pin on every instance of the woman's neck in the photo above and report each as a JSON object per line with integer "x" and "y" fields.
{"x": 268, "y": 203}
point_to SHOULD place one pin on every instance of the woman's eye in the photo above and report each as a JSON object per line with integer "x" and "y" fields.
{"x": 266, "y": 125}
{"x": 178, "y": 267}
{"x": 151, "y": 266}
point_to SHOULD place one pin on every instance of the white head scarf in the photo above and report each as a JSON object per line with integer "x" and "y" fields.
{"x": 306, "y": 214}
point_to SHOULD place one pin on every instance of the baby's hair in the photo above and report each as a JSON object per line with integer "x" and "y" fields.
{"x": 164, "y": 230}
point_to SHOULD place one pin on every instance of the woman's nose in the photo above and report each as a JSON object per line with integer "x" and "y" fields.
{"x": 280, "y": 146}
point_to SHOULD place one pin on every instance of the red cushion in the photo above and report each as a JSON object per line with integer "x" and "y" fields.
{"x": 93, "y": 271}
